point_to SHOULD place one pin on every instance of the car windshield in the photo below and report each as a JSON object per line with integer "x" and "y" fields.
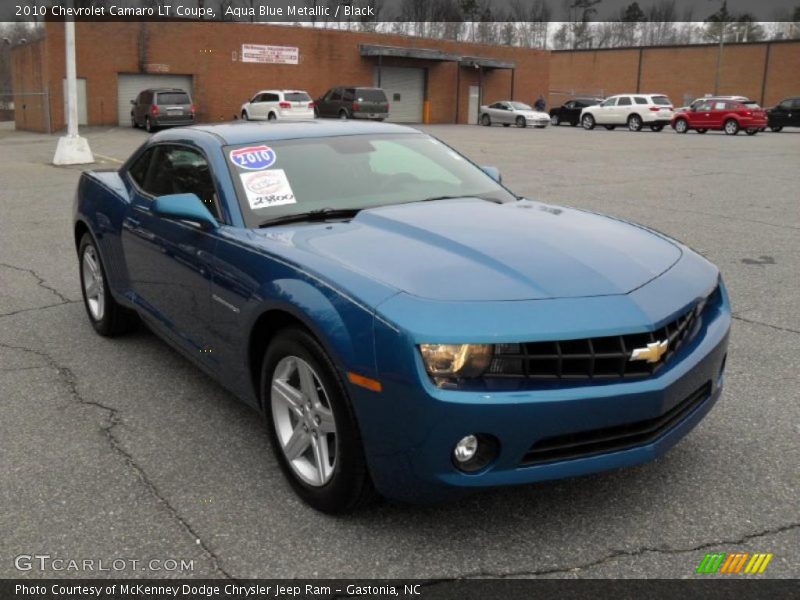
{"x": 661, "y": 101}
{"x": 287, "y": 177}
{"x": 173, "y": 98}
{"x": 520, "y": 106}
{"x": 297, "y": 97}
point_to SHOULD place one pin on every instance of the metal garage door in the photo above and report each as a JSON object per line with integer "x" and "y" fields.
{"x": 405, "y": 89}
{"x": 129, "y": 86}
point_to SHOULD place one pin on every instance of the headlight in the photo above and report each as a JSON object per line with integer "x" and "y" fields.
{"x": 456, "y": 360}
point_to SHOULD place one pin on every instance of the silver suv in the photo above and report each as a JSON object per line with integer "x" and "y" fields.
{"x": 162, "y": 107}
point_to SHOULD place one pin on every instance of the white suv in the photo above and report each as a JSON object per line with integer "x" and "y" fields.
{"x": 278, "y": 104}
{"x": 633, "y": 111}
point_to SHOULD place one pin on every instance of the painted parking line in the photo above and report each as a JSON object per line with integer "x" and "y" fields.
{"x": 111, "y": 158}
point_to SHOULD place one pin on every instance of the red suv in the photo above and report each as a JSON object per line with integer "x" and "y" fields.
{"x": 721, "y": 113}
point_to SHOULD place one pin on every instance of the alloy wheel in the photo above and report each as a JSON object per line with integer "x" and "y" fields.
{"x": 93, "y": 284}
{"x": 304, "y": 422}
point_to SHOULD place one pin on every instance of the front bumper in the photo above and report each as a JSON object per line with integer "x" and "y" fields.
{"x": 410, "y": 431}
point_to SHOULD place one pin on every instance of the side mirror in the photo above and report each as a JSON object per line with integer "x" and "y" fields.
{"x": 185, "y": 207}
{"x": 494, "y": 173}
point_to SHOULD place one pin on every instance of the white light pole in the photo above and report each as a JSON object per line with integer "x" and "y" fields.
{"x": 72, "y": 149}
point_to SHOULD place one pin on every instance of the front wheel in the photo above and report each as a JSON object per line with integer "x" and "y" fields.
{"x": 521, "y": 123}
{"x": 731, "y": 127}
{"x": 776, "y": 129}
{"x": 587, "y": 121}
{"x": 245, "y": 117}
{"x": 312, "y": 425}
{"x": 682, "y": 126}
{"x": 108, "y": 318}
{"x": 656, "y": 128}
{"x": 555, "y": 120}
{"x": 343, "y": 115}
{"x": 635, "y": 123}
{"x": 486, "y": 120}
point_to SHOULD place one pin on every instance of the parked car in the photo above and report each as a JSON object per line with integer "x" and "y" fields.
{"x": 511, "y": 112}
{"x": 271, "y": 105}
{"x": 719, "y": 114}
{"x": 785, "y": 114}
{"x": 162, "y": 107}
{"x": 633, "y": 111}
{"x": 514, "y": 342}
{"x": 353, "y": 103}
{"x": 570, "y": 111}
{"x": 697, "y": 101}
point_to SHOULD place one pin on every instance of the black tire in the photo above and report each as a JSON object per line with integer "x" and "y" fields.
{"x": 486, "y": 120}
{"x": 731, "y": 127}
{"x": 751, "y": 131}
{"x": 610, "y": 127}
{"x": 635, "y": 122}
{"x": 350, "y": 486}
{"x": 521, "y": 122}
{"x": 656, "y": 128}
{"x": 271, "y": 117}
{"x": 587, "y": 122}
{"x": 316, "y": 112}
{"x": 244, "y": 116}
{"x": 682, "y": 126}
{"x": 776, "y": 129}
{"x": 134, "y": 124}
{"x": 116, "y": 319}
{"x": 343, "y": 115}
{"x": 148, "y": 125}
{"x": 555, "y": 120}
{"x": 702, "y": 130}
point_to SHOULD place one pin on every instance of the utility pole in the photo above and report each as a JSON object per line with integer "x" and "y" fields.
{"x": 72, "y": 149}
{"x": 719, "y": 56}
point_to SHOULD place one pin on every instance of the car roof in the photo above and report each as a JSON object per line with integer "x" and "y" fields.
{"x": 240, "y": 132}
{"x": 280, "y": 91}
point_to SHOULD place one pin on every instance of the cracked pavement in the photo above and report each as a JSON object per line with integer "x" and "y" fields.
{"x": 122, "y": 449}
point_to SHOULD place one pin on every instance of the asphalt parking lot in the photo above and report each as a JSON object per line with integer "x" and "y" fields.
{"x": 122, "y": 449}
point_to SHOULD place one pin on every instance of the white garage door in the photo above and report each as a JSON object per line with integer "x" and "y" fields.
{"x": 405, "y": 89}
{"x": 129, "y": 86}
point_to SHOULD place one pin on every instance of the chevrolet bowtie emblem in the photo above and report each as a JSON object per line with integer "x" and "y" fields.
{"x": 652, "y": 353}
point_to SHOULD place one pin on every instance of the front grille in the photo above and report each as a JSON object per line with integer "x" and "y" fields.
{"x": 592, "y": 358}
{"x": 612, "y": 439}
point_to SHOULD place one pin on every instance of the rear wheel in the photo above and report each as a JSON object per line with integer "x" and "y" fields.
{"x": 635, "y": 123}
{"x": 702, "y": 130}
{"x": 555, "y": 120}
{"x": 587, "y": 121}
{"x": 610, "y": 127}
{"x": 682, "y": 126}
{"x": 106, "y": 316}
{"x": 521, "y": 123}
{"x": 731, "y": 127}
{"x": 244, "y": 116}
{"x": 776, "y": 129}
{"x": 656, "y": 128}
{"x": 148, "y": 125}
{"x": 272, "y": 116}
{"x": 486, "y": 120}
{"x": 312, "y": 425}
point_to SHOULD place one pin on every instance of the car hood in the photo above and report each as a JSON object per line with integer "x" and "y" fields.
{"x": 473, "y": 250}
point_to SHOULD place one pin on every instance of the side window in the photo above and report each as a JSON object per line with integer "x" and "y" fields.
{"x": 703, "y": 105}
{"x": 786, "y": 105}
{"x": 271, "y": 97}
{"x": 720, "y": 106}
{"x": 573, "y": 104}
{"x": 138, "y": 170}
{"x": 495, "y": 105}
{"x": 349, "y": 95}
{"x": 796, "y": 104}
{"x": 640, "y": 100}
{"x": 182, "y": 170}
{"x": 336, "y": 95}
{"x": 609, "y": 102}
{"x": 625, "y": 101}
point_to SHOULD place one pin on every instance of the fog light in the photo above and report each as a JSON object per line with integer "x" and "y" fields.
{"x": 466, "y": 449}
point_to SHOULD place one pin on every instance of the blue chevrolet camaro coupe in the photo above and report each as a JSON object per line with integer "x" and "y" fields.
{"x": 405, "y": 323}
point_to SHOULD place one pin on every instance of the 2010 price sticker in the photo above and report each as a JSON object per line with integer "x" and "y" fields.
{"x": 253, "y": 158}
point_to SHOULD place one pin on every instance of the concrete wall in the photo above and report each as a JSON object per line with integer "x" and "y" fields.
{"x": 683, "y": 72}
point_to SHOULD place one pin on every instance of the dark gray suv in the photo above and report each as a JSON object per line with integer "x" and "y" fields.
{"x": 353, "y": 103}
{"x": 162, "y": 107}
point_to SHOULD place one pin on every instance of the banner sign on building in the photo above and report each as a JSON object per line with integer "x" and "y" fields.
{"x": 282, "y": 55}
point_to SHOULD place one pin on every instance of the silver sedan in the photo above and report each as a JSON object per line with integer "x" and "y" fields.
{"x": 510, "y": 112}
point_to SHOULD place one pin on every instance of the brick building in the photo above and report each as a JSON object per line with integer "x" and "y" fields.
{"x": 434, "y": 81}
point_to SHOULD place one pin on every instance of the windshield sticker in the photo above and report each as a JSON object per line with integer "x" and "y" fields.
{"x": 267, "y": 188}
{"x": 253, "y": 158}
